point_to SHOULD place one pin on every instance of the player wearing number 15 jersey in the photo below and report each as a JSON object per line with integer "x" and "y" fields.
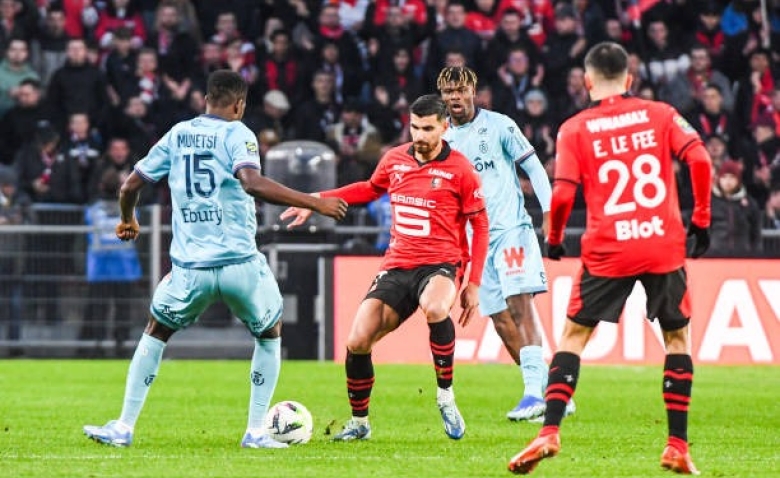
{"x": 434, "y": 191}
{"x": 620, "y": 150}
{"x": 213, "y": 169}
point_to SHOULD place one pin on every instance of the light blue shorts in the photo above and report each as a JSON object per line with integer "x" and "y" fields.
{"x": 249, "y": 289}
{"x": 513, "y": 266}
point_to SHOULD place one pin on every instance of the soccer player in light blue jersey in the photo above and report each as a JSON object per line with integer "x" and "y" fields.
{"x": 213, "y": 169}
{"x": 514, "y": 271}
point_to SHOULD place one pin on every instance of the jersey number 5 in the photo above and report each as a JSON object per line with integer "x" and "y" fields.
{"x": 645, "y": 173}
{"x": 196, "y": 167}
{"x": 412, "y": 221}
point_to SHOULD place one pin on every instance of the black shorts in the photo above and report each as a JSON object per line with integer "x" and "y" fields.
{"x": 401, "y": 288}
{"x": 596, "y": 299}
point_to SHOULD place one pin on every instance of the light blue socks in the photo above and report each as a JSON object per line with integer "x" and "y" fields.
{"x": 143, "y": 369}
{"x": 534, "y": 371}
{"x": 266, "y": 362}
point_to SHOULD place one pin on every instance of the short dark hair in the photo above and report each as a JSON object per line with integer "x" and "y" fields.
{"x": 608, "y": 59}
{"x": 225, "y": 87}
{"x": 428, "y": 105}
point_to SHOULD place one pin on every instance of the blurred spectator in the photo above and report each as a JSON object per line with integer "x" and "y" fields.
{"x": 710, "y": 117}
{"x": 638, "y": 71}
{"x": 710, "y": 35}
{"x": 665, "y": 58}
{"x": 402, "y": 85}
{"x": 762, "y": 158}
{"x": 133, "y": 121}
{"x": 576, "y": 97}
{"x": 112, "y": 268}
{"x": 454, "y": 36}
{"x": 591, "y": 20}
{"x": 244, "y": 65}
{"x": 328, "y": 30}
{"x": 81, "y": 17}
{"x": 357, "y": 144}
{"x": 20, "y": 123}
{"x": 280, "y": 66}
{"x": 227, "y": 31}
{"x": 743, "y": 25}
{"x": 176, "y": 47}
{"x": 313, "y": 117}
{"x": 211, "y": 59}
{"x": 773, "y": 207}
{"x": 77, "y": 86}
{"x": 187, "y": 17}
{"x": 383, "y": 114}
{"x": 120, "y": 66}
{"x": 348, "y": 76}
{"x": 536, "y": 124}
{"x": 48, "y": 47}
{"x": 120, "y": 14}
{"x": 482, "y": 19}
{"x": 685, "y": 90}
{"x": 381, "y": 212}
{"x": 615, "y": 31}
{"x": 754, "y": 90}
{"x": 736, "y": 218}
{"x": 515, "y": 79}
{"x": 13, "y": 70}
{"x": 536, "y": 16}
{"x": 414, "y": 10}
{"x": 352, "y": 13}
{"x": 147, "y": 76}
{"x": 564, "y": 49}
{"x": 398, "y": 32}
{"x": 484, "y": 97}
{"x": 80, "y": 151}
{"x": 273, "y": 115}
{"x": 718, "y": 147}
{"x": 13, "y": 210}
{"x": 10, "y": 25}
{"x": 117, "y": 158}
{"x": 510, "y": 35}
{"x": 41, "y": 168}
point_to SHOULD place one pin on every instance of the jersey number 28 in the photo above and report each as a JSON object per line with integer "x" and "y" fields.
{"x": 648, "y": 191}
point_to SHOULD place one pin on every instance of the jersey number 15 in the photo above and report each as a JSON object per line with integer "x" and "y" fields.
{"x": 197, "y": 174}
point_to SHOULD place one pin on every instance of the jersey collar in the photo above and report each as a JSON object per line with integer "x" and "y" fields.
{"x": 477, "y": 109}
{"x": 211, "y": 116}
{"x": 596, "y": 103}
{"x": 443, "y": 154}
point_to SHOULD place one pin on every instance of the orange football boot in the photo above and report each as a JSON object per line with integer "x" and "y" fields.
{"x": 541, "y": 447}
{"x": 677, "y": 461}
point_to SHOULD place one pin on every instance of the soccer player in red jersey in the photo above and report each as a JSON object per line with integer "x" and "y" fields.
{"x": 620, "y": 150}
{"x": 434, "y": 191}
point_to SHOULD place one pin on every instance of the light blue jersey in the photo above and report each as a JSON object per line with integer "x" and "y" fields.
{"x": 493, "y": 143}
{"x": 214, "y": 220}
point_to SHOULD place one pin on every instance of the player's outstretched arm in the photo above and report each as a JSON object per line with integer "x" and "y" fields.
{"x": 539, "y": 180}
{"x": 260, "y": 187}
{"x": 700, "y": 165}
{"x": 128, "y": 228}
{"x": 356, "y": 193}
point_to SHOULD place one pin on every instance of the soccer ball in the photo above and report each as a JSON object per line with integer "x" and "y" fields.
{"x": 289, "y": 422}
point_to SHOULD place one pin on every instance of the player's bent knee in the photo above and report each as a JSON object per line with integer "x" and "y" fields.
{"x": 436, "y": 312}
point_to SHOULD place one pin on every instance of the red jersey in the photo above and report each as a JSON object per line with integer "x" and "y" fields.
{"x": 621, "y": 150}
{"x": 430, "y": 202}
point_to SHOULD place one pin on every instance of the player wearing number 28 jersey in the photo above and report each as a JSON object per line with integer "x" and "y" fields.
{"x": 621, "y": 150}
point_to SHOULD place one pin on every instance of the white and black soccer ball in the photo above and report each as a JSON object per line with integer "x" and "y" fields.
{"x": 289, "y": 422}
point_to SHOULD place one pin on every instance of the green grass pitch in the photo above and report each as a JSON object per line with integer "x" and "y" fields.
{"x": 195, "y": 417}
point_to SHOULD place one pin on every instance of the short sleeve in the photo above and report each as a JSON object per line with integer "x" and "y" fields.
{"x": 241, "y": 144}
{"x": 514, "y": 143}
{"x": 157, "y": 163}
{"x": 567, "y": 165}
{"x": 681, "y": 134}
{"x": 471, "y": 189}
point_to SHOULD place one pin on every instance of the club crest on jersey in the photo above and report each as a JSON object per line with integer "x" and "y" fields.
{"x": 483, "y": 147}
{"x": 435, "y": 183}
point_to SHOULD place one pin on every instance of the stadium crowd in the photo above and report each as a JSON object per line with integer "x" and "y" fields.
{"x": 88, "y": 86}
